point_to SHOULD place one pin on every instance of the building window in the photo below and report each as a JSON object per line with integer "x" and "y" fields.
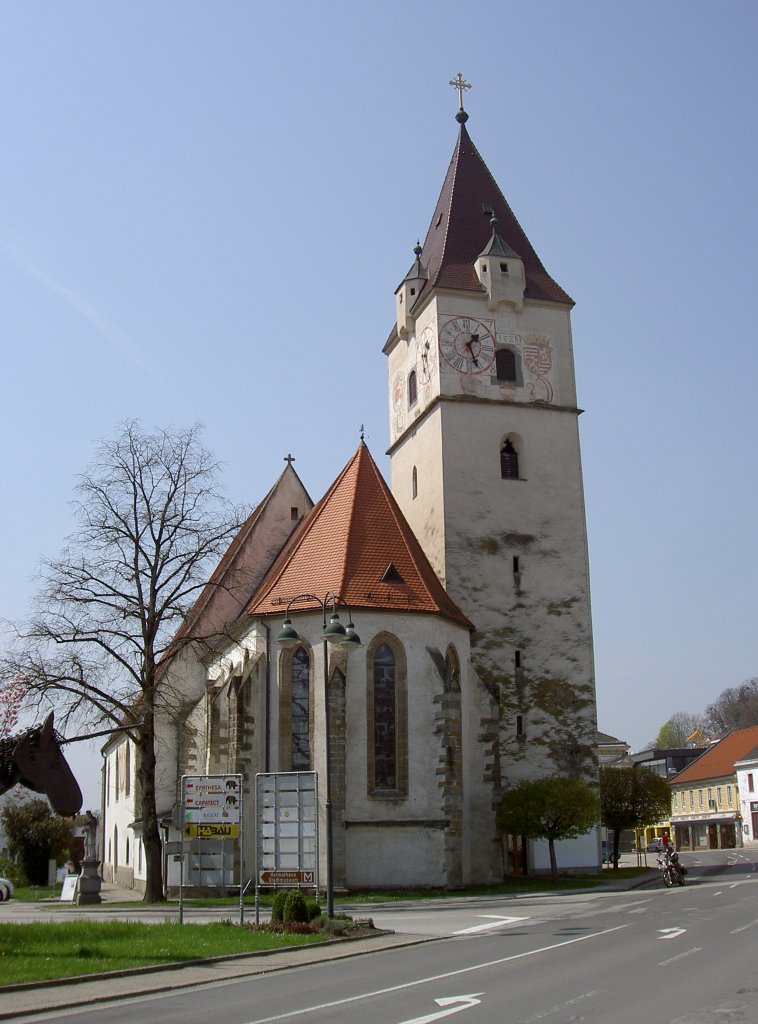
{"x": 700, "y": 799}
{"x": 729, "y": 795}
{"x": 519, "y": 725}
{"x": 509, "y": 461}
{"x": 414, "y": 483}
{"x": 505, "y": 365}
{"x": 692, "y": 800}
{"x": 412, "y": 389}
{"x": 718, "y": 796}
{"x": 750, "y": 788}
{"x": 301, "y": 747}
{"x": 387, "y": 717}
{"x": 128, "y": 769}
{"x": 517, "y": 659}
{"x": 385, "y": 725}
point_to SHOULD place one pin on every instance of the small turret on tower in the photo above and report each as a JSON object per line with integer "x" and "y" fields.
{"x": 407, "y": 293}
{"x": 501, "y": 272}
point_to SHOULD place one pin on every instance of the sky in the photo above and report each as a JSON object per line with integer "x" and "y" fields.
{"x": 206, "y": 209}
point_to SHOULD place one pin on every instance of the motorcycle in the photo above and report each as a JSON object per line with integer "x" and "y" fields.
{"x": 672, "y": 871}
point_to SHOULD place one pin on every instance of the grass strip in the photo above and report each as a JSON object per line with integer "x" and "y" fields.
{"x": 43, "y": 951}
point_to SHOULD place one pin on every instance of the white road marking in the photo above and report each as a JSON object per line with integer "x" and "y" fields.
{"x": 697, "y": 949}
{"x": 454, "y": 1003}
{"x": 497, "y": 922}
{"x": 671, "y": 933}
{"x": 744, "y": 928}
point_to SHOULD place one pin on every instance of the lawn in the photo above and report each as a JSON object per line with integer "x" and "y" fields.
{"x": 36, "y": 952}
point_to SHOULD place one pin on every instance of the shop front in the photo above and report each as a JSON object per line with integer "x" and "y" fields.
{"x": 707, "y": 831}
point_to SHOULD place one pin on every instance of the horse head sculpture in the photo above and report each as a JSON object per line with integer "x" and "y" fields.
{"x": 35, "y": 760}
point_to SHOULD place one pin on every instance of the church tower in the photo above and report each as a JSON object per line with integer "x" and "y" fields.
{"x": 486, "y": 467}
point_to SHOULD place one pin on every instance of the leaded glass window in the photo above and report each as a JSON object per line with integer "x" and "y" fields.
{"x": 301, "y": 745}
{"x": 385, "y": 729}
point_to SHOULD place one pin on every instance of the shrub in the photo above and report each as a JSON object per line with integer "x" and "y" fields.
{"x": 13, "y": 872}
{"x": 295, "y": 907}
{"x": 277, "y": 906}
{"x": 314, "y": 909}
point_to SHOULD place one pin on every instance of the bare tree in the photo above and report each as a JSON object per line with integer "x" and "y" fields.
{"x": 151, "y": 523}
{"x": 735, "y": 708}
{"x": 679, "y": 731}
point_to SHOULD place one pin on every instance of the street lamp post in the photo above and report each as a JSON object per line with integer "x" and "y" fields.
{"x": 347, "y": 638}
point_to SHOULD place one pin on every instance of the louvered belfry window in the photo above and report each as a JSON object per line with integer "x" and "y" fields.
{"x": 385, "y": 718}
{"x": 509, "y": 462}
{"x": 505, "y": 364}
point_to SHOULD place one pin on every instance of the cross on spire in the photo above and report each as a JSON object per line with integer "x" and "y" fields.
{"x": 459, "y": 84}
{"x": 289, "y": 459}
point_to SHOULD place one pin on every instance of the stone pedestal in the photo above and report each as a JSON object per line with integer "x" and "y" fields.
{"x": 88, "y": 889}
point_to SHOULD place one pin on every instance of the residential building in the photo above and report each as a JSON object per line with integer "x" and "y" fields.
{"x": 706, "y": 808}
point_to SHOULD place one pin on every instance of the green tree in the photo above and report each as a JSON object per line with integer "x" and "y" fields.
{"x": 35, "y": 836}
{"x": 552, "y": 808}
{"x": 631, "y": 798}
{"x": 151, "y": 523}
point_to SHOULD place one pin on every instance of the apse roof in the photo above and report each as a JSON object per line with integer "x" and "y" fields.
{"x": 357, "y": 544}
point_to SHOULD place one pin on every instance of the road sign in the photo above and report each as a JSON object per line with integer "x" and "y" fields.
{"x": 213, "y": 830}
{"x": 212, "y": 798}
{"x": 287, "y": 877}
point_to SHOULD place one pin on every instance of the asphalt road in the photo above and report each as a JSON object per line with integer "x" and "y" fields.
{"x": 667, "y": 956}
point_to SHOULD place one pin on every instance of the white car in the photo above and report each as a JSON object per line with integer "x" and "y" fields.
{"x": 6, "y": 889}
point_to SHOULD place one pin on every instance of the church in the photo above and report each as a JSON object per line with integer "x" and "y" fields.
{"x": 460, "y": 591}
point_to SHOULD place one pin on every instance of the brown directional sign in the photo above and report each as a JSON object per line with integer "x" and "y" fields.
{"x": 287, "y": 878}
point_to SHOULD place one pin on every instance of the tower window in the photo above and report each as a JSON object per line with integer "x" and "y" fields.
{"x": 519, "y": 725}
{"x": 517, "y": 659}
{"x": 412, "y": 389}
{"x": 516, "y": 568}
{"x": 414, "y": 483}
{"x": 509, "y": 461}
{"x": 293, "y": 513}
{"x": 503, "y": 268}
{"x": 505, "y": 365}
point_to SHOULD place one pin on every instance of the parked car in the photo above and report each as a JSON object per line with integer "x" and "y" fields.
{"x": 655, "y": 846}
{"x": 6, "y": 889}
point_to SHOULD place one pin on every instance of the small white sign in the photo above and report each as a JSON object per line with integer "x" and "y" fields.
{"x": 68, "y": 892}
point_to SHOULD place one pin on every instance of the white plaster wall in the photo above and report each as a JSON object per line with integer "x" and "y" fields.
{"x": 382, "y": 857}
{"x": 747, "y": 797}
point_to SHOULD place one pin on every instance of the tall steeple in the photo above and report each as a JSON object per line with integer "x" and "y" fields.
{"x": 460, "y": 229}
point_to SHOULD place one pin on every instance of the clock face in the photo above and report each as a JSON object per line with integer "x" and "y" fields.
{"x": 426, "y": 353}
{"x": 467, "y": 344}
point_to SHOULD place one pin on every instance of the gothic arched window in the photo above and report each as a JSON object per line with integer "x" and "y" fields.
{"x": 509, "y": 461}
{"x": 505, "y": 365}
{"x": 385, "y": 726}
{"x": 301, "y": 746}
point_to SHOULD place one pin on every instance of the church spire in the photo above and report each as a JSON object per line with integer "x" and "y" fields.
{"x": 460, "y": 228}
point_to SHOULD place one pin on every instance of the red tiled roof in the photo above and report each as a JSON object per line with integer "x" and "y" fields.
{"x": 718, "y": 760}
{"x": 345, "y": 545}
{"x": 460, "y": 229}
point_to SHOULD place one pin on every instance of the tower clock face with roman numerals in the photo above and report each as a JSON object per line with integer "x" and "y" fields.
{"x": 468, "y": 344}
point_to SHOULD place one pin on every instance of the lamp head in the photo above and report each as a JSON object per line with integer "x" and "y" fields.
{"x": 335, "y": 631}
{"x": 352, "y": 640}
{"x": 288, "y": 636}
